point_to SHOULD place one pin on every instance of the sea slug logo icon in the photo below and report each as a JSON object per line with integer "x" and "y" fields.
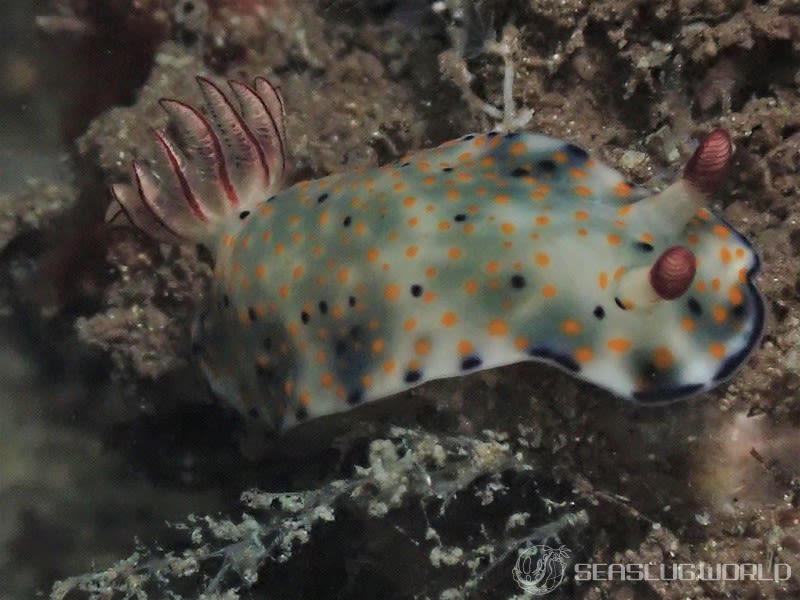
{"x": 540, "y": 569}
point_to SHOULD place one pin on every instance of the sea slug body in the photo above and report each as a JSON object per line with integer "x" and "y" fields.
{"x": 487, "y": 250}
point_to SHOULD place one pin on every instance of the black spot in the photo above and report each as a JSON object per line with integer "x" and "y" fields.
{"x": 351, "y": 301}
{"x": 416, "y": 290}
{"x": 563, "y": 360}
{"x": 322, "y": 198}
{"x": 619, "y": 303}
{"x": 471, "y": 362}
{"x": 252, "y": 413}
{"x": 739, "y": 311}
{"x": 492, "y": 134}
{"x": 412, "y": 376}
{"x": 576, "y": 151}
{"x": 340, "y": 348}
{"x": 355, "y": 332}
{"x": 301, "y": 413}
{"x": 643, "y": 246}
{"x": 197, "y": 349}
{"x": 547, "y": 165}
{"x": 305, "y": 317}
{"x": 460, "y": 217}
{"x": 447, "y": 169}
{"x": 244, "y": 214}
{"x": 323, "y": 307}
{"x": 347, "y": 221}
{"x": 517, "y": 282}
{"x": 355, "y": 396}
{"x": 520, "y": 172}
{"x": 265, "y": 373}
{"x": 470, "y": 136}
{"x": 251, "y": 312}
{"x": 267, "y": 344}
{"x": 511, "y": 135}
{"x": 405, "y": 164}
{"x": 599, "y": 312}
{"x": 271, "y": 198}
{"x": 667, "y": 394}
{"x": 226, "y": 300}
{"x": 694, "y": 307}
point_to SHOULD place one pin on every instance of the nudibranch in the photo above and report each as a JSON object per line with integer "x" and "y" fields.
{"x": 487, "y": 250}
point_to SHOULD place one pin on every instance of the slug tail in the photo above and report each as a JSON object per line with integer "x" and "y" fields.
{"x": 210, "y": 165}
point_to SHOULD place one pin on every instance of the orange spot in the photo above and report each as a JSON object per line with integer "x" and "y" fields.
{"x": 663, "y": 358}
{"x": 619, "y": 273}
{"x": 399, "y": 186}
{"x": 413, "y": 221}
{"x": 267, "y": 210}
{"x": 429, "y": 180}
{"x": 720, "y": 314}
{"x": 583, "y": 354}
{"x": 542, "y": 220}
{"x": 517, "y": 148}
{"x": 725, "y": 255}
{"x": 279, "y": 248}
{"x": 492, "y": 267}
{"x": 283, "y": 291}
{"x": 471, "y": 286}
{"x": 577, "y": 173}
{"x": 469, "y": 228}
{"x": 324, "y": 218}
{"x": 688, "y": 324}
{"x": 411, "y": 251}
{"x": 373, "y": 254}
{"x": 521, "y": 343}
{"x": 377, "y": 346}
{"x": 507, "y": 228}
{"x": 703, "y": 214}
{"x": 542, "y": 259}
{"x": 560, "y": 157}
{"x": 388, "y": 366}
{"x": 464, "y": 347}
{"x": 449, "y": 319}
{"x": 647, "y": 237}
{"x": 454, "y": 253}
{"x": 444, "y": 225}
{"x": 549, "y": 290}
{"x": 305, "y": 399}
{"x": 326, "y": 380}
{"x": 614, "y": 239}
{"x": 409, "y": 201}
{"x": 245, "y": 241}
{"x": 464, "y": 177}
{"x": 571, "y": 327}
{"x": 430, "y": 272}
{"x": 298, "y": 272}
{"x": 464, "y": 156}
{"x": 623, "y": 190}
{"x": 343, "y": 275}
{"x": 452, "y": 195}
{"x": 429, "y": 297}
{"x": 618, "y": 344}
{"x": 360, "y": 228}
{"x": 502, "y": 198}
{"x": 721, "y": 231}
{"x": 735, "y": 295}
{"x": 497, "y": 327}
{"x": 261, "y": 271}
{"x": 391, "y": 292}
{"x": 602, "y": 280}
{"x": 715, "y": 284}
{"x": 583, "y": 191}
{"x": 422, "y": 347}
{"x": 487, "y": 161}
{"x": 742, "y": 275}
{"x": 410, "y": 324}
{"x": 717, "y": 350}
{"x": 700, "y": 286}
{"x": 583, "y": 232}
{"x": 739, "y": 252}
{"x": 297, "y": 237}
